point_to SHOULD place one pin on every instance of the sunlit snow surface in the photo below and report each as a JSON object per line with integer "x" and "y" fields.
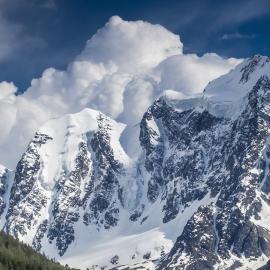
{"x": 225, "y": 95}
{"x": 131, "y": 241}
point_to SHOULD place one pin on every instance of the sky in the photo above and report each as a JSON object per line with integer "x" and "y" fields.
{"x": 37, "y": 34}
{"x": 59, "y": 57}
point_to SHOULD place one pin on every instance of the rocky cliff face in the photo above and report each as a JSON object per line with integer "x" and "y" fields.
{"x": 64, "y": 175}
{"x": 5, "y": 183}
{"x": 196, "y": 195}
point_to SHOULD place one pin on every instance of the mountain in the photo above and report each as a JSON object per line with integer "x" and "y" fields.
{"x": 186, "y": 188}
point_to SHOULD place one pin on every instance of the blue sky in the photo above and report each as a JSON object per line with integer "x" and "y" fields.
{"x": 36, "y": 34}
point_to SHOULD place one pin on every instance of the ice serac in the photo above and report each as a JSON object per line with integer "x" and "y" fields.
{"x": 195, "y": 195}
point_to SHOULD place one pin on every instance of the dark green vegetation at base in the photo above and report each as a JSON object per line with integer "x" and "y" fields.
{"x": 15, "y": 255}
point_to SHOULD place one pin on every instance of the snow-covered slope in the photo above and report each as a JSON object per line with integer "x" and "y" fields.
{"x": 187, "y": 188}
{"x": 226, "y": 96}
{"x": 69, "y": 173}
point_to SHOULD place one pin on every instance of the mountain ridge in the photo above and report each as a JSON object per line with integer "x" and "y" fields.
{"x": 194, "y": 196}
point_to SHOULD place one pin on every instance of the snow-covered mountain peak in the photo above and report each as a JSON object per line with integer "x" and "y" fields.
{"x": 79, "y": 122}
{"x": 68, "y": 174}
{"x": 181, "y": 102}
{"x": 62, "y": 137}
{"x": 226, "y": 95}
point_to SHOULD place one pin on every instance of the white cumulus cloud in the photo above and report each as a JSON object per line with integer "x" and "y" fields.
{"x": 122, "y": 69}
{"x": 132, "y": 46}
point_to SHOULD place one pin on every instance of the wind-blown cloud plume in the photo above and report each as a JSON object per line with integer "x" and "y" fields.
{"x": 122, "y": 69}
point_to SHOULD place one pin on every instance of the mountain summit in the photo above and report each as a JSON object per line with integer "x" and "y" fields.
{"x": 193, "y": 195}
